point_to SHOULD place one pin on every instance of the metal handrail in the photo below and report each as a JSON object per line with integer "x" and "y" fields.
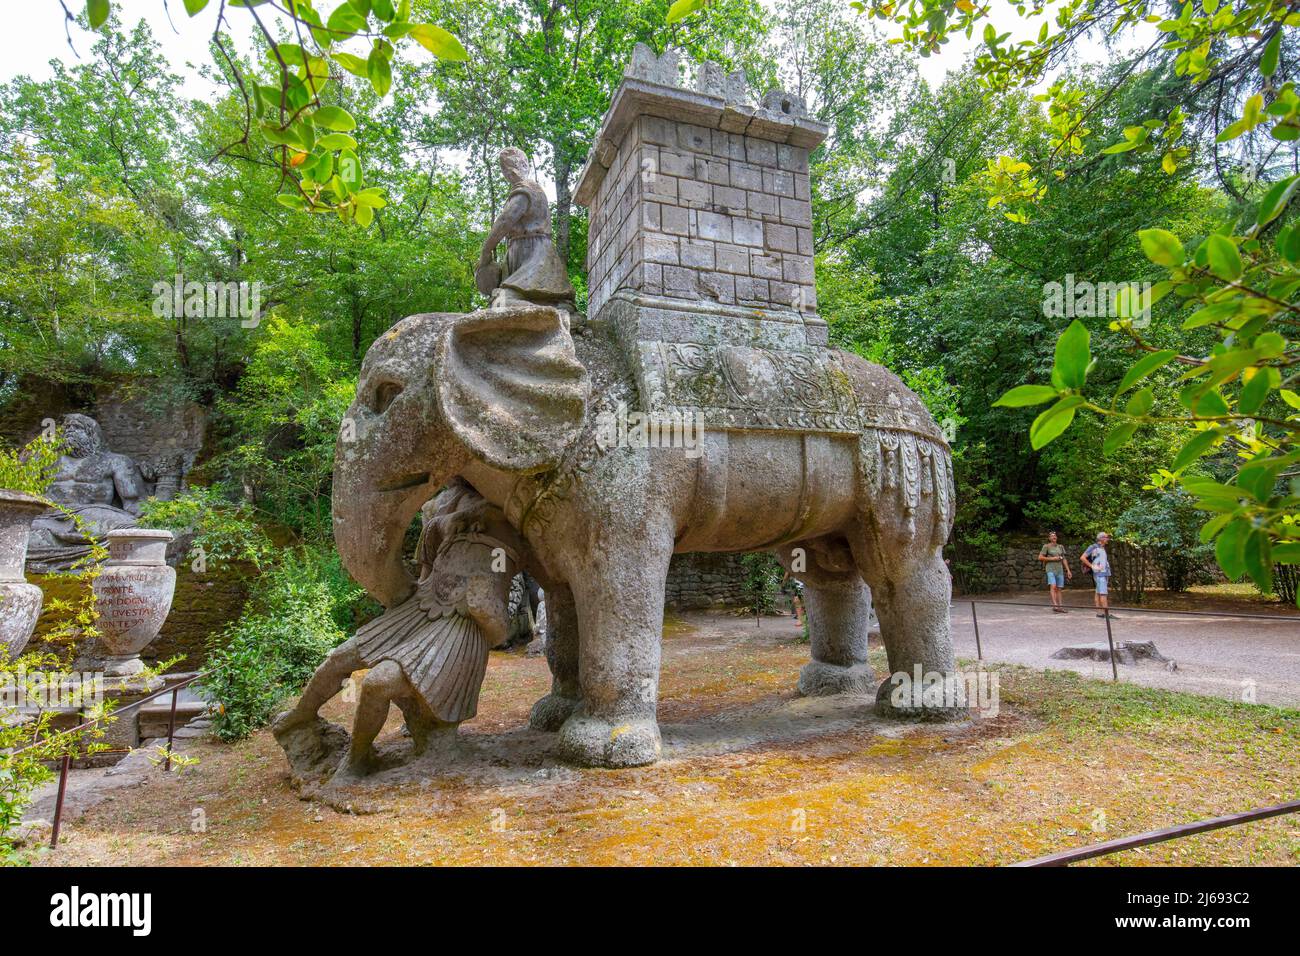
{"x": 65, "y": 764}
{"x": 1066, "y": 857}
{"x": 170, "y": 689}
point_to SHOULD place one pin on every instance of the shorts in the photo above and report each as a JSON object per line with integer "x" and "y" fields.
{"x": 1103, "y": 580}
{"x": 1057, "y": 578}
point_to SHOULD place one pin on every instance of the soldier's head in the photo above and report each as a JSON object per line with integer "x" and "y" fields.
{"x": 82, "y": 436}
{"x": 514, "y": 164}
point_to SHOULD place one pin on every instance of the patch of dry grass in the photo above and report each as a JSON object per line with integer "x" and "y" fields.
{"x": 1068, "y": 761}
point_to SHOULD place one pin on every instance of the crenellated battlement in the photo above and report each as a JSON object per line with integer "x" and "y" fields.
{"x": 701, "y": 215}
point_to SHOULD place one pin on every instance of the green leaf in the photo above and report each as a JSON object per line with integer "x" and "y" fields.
{"x": 1118, "y": 437}
{"x": 439, "y": 42}
{"x": 292, "y": 200}
{"x": 335, "y": 118}
{"x": 1255, "y": 392}
{"x": 1276, "y": 199}
{"x": 1287, "y": 553}
{"x": 1268, "y": 62}
{"x": 1025, "y": 395}
{"x": 1144, "y": 367}
{"x": 344, "y": 22}
{"x": 1141, "y": 402}
{"x": 353, "y": 64}
{"x": 1072, "y": 355}
{"x": 1224, "y": 259}
{"x": 371, "y": 197}
{"x": 1213, "y": 527}
{"x": 96, "y": 13}
{"x": 334, "y": 141}
{"x": 192, "y": 7}
{"x": 1257, "y": 554}
{"x": 1195, "y": 447}
{"x": 1162, "y": 247}
{"x": 684, "y": 8}
{"x": 1230, "y": 548}
{"x": 1052, "y": 422}
{"x": 380, "y": 72}
{"x": 383, "y": 9}
{"x": 349, "y": 170}
{"x": 364, "y": 215}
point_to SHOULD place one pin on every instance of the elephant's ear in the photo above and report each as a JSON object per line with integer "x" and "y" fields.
{"x": 511, "y": 387}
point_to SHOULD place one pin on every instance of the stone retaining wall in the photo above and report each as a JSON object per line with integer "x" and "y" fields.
{"x": 705, "y": 579}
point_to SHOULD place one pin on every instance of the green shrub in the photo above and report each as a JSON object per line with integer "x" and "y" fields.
{"x": 1167, "y": 525}
{"x": 224, "y": 530}
{"x": 301, "y": 609}
{"x": 763, "y": 574}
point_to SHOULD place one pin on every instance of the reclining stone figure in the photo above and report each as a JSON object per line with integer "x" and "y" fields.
{"x": 427, "y": 655}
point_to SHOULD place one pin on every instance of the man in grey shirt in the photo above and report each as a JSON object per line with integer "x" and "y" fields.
{"x": 1096, "y": 560}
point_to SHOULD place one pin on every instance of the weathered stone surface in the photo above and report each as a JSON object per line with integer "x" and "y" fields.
{"x": 427, "y": 654}
{"x": 20, "y": 602}
{"x": 699, "y": 149}
{"x": 133, "y": 594}
{"x": 1126, "y": 652}
{"x": 534, "y": 271}
{"x": 817, "y": 456}
{"x": 102, "y": 488}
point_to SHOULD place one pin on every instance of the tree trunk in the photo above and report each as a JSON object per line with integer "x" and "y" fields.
{"x": 563, "y": 200}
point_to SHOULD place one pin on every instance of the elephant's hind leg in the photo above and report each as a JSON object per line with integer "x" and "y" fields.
{"x": 839, "y": 619}
{"x": 912, "y": 593}
{"x": 553, "y": 710}
{"x": 839, "y": 622}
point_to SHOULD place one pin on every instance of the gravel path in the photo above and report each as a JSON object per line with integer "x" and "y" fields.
{"x": 1218, "y": 655}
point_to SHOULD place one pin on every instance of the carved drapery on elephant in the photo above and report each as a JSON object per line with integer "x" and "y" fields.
{"x": 848, "y": 481}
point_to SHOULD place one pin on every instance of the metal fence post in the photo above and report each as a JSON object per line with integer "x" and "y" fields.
{"x": 975, "y": 618}
{"x": 171, "y": 730}
{"x": 58, "y": 803}
{"x": 1110, "y": 639}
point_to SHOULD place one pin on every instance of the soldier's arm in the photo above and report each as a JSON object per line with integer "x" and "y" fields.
{"x": 508, "y": 218}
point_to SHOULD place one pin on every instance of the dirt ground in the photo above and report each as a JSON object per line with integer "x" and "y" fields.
{"x": 752, "y": 774}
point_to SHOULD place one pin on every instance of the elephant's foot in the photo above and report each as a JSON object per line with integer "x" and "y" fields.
{"x": 819, "y": 679}
{"x": 594, "y": 742}
{"x": 550, "y": 713}
{"x": 312, "y": 744}
{"x": 942, "y": 701}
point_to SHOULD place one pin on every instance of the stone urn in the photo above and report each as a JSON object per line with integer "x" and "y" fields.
{"x": 20, "y": 602}
{"x": 133, "y": 594}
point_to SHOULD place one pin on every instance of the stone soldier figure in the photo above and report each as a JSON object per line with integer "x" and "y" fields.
{"x": 534, "y": 271}
{"x": 102, "y": 488}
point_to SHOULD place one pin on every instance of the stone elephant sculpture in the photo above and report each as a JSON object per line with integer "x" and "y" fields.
{"x": 508, "y": 400}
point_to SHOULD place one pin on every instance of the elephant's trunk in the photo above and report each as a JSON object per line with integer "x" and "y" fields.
{"x": 370, "y": 528}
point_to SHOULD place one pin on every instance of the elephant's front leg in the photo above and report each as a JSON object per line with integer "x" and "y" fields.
{"x": 554, "y": 709}
{"x": 912, "y": 601}
{"x": 620, "y": 605}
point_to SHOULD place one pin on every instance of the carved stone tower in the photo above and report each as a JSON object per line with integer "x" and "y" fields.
{"x": 701, "y": 226}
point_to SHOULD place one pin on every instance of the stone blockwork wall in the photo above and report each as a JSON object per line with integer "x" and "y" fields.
{"x": 705, "y": 579}
{"x": 136, "y": 426}
{"x": 695, "y": 213}
{"x": 1018, "y": 569}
